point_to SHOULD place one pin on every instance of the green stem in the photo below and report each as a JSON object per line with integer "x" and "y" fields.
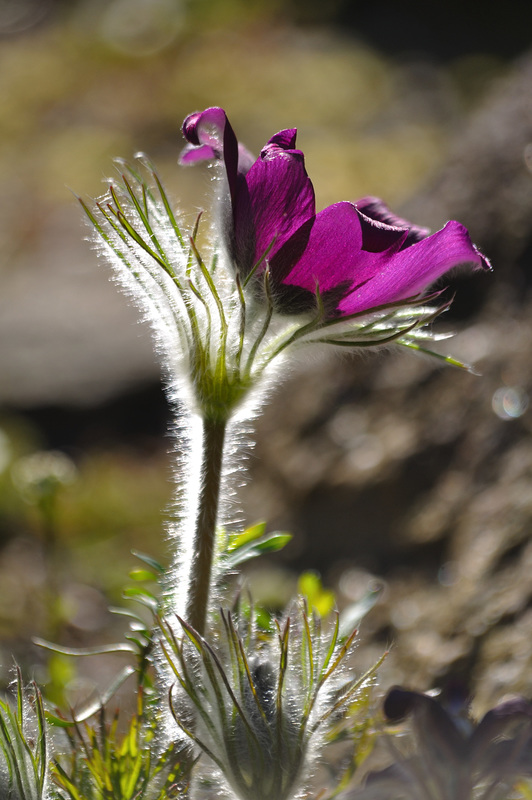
{"x": 205, "y": 524}
{"x": 48, "y": 509}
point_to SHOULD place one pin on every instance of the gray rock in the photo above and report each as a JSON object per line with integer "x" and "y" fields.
{"x": 66, "y": 336}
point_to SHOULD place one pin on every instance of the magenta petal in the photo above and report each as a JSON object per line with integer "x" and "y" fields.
{"x": 245, "y": 159}
{"x": 359, "y": 256}
{"x": 322, "y": 252}
{"x": 206, "y": 127}
{"x": 285, "y": 139}
{"x": 211, "y": 136}
{"x": 377, "y": 210}
{"x": 211, "y": 131}
{"x": 377, "y": 237}
{"x": 277, "y": 199}
{"x": 192, "y": 154}
{"x": 410, "y": 271}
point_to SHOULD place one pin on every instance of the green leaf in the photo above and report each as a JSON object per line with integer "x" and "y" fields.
{"x": 269, "y": 544}
{"x": 94, "y": 706}
{"x": 126, "y": 612}
{"x": 149, "y": 561}
{"x": 142, "y": 575}
{"x": 453, "y": 362}
{"x": 141, "y": 641}
{"x": 263, "y": 619}
{"x": 141, "y": 595}
{"x": 238, "y": 540}
{"x": 320, "y": 600}
{"x": 352, "y": 616}
{"x": 119, "y": 647}
{"x": 64, "y": 780}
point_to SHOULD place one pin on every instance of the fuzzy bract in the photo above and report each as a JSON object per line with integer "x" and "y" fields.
{"x": 260, "y": 706}
{"x": 24, "y": 746}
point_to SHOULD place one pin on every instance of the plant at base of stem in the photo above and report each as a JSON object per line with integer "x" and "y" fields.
{"x": 263, "y": 704}
{"x": 104, "y": 765}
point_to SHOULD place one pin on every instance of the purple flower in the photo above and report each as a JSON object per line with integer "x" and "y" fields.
{"x": 457, "y": 759}
{"x": 357, "y": 255}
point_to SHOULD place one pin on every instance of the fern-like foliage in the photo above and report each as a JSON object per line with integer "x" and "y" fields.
{"x": 104, "y": 764}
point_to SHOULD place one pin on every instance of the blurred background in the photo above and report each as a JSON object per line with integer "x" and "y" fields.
{"x": 389, "y": 470}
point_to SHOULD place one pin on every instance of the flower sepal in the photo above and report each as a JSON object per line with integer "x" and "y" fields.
{"x": 209, "y": 339}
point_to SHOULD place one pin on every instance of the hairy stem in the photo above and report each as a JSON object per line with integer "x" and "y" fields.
{"x": 205, "y": 524}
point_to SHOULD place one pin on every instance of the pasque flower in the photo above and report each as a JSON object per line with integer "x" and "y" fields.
{"x": 358, "y": 256}
{"x": 358, "y": 272}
